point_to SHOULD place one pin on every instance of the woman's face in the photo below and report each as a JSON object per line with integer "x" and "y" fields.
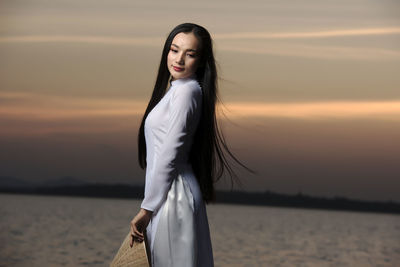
{"x": 183, "y": 56}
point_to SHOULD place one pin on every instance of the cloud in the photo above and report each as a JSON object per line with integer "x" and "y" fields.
{"x": 242, "y": 43}
{"x": 107, "y": 40}
{"x": 387, "y": 110}
{"x": 308, "y": 35}
{"x": 114, "y": 40}
{"x": 315, "y": 51}
{"x": 48, "y": 107}
{"x": 27, "y": 114}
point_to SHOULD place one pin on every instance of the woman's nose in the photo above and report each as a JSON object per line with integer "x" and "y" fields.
{"x": 180, "y": 59}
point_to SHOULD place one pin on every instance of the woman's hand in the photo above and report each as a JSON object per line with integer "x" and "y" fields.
{"x": 139, "y": 224}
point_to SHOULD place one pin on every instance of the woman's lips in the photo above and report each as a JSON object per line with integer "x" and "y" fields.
{"x": 177, "y": 68}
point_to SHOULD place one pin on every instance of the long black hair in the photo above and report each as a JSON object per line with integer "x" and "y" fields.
{"x": 207, "y": 155}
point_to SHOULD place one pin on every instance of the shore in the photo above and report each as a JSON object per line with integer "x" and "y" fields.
{"x": 224, "y": 197}
{"x": 76, "y": 231}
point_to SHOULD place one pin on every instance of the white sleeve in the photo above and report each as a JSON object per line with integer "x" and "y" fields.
{"x": 185, "y": 110}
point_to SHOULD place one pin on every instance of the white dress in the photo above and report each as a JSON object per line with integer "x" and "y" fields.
{"x": 178, "y": 232}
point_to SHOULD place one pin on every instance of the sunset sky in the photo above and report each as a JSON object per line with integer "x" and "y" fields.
{"x": 310, "y": 89}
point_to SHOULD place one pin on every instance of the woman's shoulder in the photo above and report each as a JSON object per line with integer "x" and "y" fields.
{"x": 187, "y": 87}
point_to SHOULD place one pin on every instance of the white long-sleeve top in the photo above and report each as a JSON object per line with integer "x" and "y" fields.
{"x": 169, "y": 130}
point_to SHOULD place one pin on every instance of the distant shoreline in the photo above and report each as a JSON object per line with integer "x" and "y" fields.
{"x": 268, "y": 198}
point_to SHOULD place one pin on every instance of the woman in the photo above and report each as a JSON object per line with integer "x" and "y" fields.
{"x": 179, "y": 145}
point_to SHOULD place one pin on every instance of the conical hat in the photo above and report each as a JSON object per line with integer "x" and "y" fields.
{"x": 135, "y": 256}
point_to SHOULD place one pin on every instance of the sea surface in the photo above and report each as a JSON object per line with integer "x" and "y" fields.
{"x": 74, "y": 231}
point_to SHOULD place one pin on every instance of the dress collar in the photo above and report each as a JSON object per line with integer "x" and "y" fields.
{"x": 182, "y": 80}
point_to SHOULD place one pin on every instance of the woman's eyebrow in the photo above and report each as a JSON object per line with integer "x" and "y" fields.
{"x": 190, "y": 50}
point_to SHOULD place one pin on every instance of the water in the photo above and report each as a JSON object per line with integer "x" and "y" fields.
{"x": 70, "y": 231}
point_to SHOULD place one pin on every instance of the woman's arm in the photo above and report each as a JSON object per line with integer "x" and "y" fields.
{"x": 139, "y": 223}
{"x": 185, "y": 112}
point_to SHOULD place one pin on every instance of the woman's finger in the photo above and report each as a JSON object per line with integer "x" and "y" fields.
{"x": 135, "y": 235}
{"x": 132, "y": 228}
{"x": 132, "y": 234}
{"x": 138, "y": 234}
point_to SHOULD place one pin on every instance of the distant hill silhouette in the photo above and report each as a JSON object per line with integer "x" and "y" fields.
{"x": 68, "y": 186}
{"x": 64, "y": 181}
{"x": 11, "y": 181}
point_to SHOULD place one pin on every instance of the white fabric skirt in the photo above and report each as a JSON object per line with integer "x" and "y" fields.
{"x": 178, "y": 233}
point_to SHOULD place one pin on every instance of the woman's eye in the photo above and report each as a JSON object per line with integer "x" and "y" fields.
{"x": 191, "y": 55}
{"x": 174, "y": 50}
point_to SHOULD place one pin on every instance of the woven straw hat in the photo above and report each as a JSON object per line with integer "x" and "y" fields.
{"x": 135, "y": 256}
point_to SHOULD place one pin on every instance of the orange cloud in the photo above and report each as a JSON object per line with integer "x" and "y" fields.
{"x": 318, "y": 110}
{"x": 45, "y": 107}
